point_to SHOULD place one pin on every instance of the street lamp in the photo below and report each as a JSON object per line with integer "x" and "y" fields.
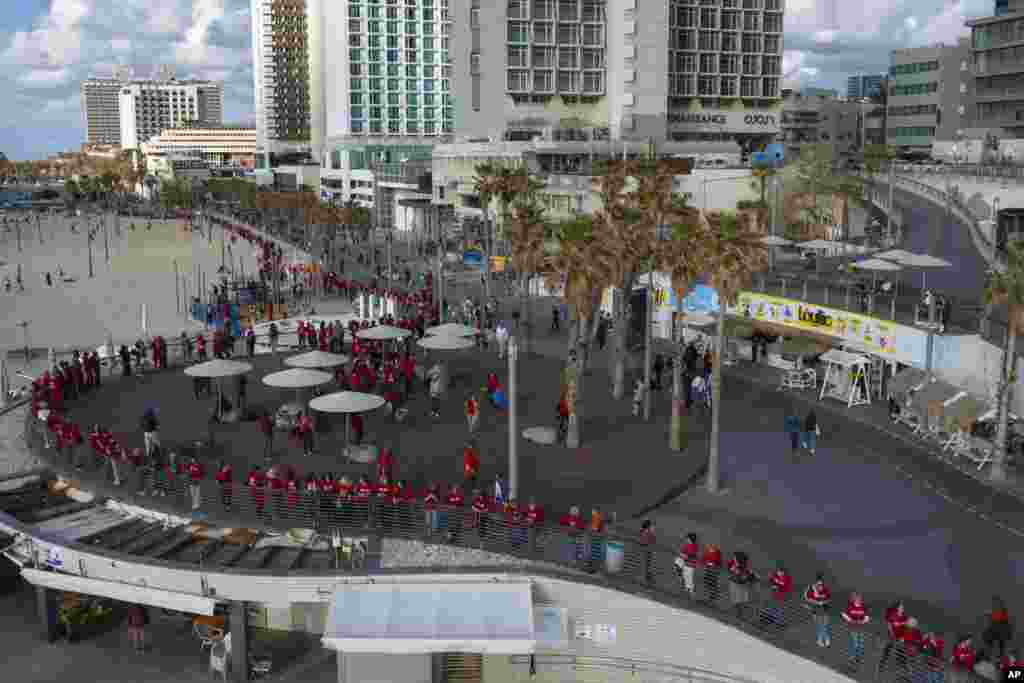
{"x": 513, "y": 419}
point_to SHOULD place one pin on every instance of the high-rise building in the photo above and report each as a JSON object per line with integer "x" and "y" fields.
{"x": 128, "y": 111}
{"x": 101, "y": 111}
{"x": 865, "y": 86}
{"x": 930, "y": 95}
{"x": 148, "y": 107}
{"x": 286, "y": 45}
{"x": 998, "y": 70}
{"x": 1002, "y": 7}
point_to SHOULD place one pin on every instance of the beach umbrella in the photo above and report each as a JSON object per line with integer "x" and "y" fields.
{"x": 297, "y": 379}
{"x": 924, "y": 262}
{"x": 218, "y": 369}
{"x": 876, "y": 265}
{"x": 383, "y": 333}
{"x": 347, "y": 403}
{"x": 317, "y": 359}
{"x": 444, "y": 342}
{"x": 452, "y": 329}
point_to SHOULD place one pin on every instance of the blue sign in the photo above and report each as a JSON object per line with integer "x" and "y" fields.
{"x": 472, "y": 257}
{"x": 773, "y": 156}
{"x": 700, "y": 299}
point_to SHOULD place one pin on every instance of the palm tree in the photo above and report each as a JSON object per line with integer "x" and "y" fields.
{"x": 527, "y": 234}
{"x": 577, "y": 267}
{"x": 488, "y": 183}
{"x": 1007, "y": 288}
{"x": 731, "y": 253}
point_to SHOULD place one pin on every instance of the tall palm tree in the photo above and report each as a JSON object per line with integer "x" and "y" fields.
{"x": 577, "y": 266}
{"x": 1007, "y": 288}
{"x": 731, "y": 253}
{"x": 527, "y": 234}
{"x": 488, "y": 183}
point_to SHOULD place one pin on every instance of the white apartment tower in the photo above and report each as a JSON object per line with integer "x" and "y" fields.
{"x": 287, "y": 46}
{"x": 147, "y": 108}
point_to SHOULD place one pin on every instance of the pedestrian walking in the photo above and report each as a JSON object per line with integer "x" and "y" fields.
{"x": 1000, "y": 630}
{"x": 638, "y": 397}
{"x": 150, "y": 432}
{"x": 896, "y": 619}
{"x": 250, "y": 341}
{"x": 225, "y": 477}
{"x": 472, "y": 413}
{"x": 686, "y": 562}
{"x": 793, "y": 428}
{"x": 818, "y": 598}
{"x": 812, "y": 430}
{"x": 574, "y": 525}
{"x": 856, "y": 617}
{"x": 436, "y": 378}
{"x": 266, "y": 425}
{"x": 196, "y": 472}
{"x": 470, "y": 462}
{"x": 555, "y": 316}
{"x": 138, "y": 619}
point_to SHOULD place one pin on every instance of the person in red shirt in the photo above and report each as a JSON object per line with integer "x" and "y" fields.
{"x": 431, "y": 499}
{"x": 225, "y": 477}
{"x": 574, "y": 524}
{"x": 304, "y": 427}
{"x": 740, "y": 577}
{"x": 932, "y": 648}
{"x": 408, "y": 367}
{"x": 455, "y": 501}
{"x": 782, "y": 585}
{"x": 479, "y": 506}
{"x": 711, "y": 561}
{"x": 201, "y": 347}
{"x": 686, "y": 562}
{"x": 856, "y": 617}
{"x": 363, "y": 492}
{"x": 385, "y": 465}
{"x": 266, "y": 425}
{"x": 196, "y": 472}
{"x": 470, "y": 462}
{"x": 293, "y": 490}
{"x": 896, "y": 619}
{"x": 962, "y": 661}
{"x": 257, "y": 482}
{"x": 818, "y": 597}
{"x": 910, "y": 643}
{"x": 1010, "y": 660}
{"x": 472, "y": 413}
{"x": 276, "y": 482}
{"x": 356, "y": 423}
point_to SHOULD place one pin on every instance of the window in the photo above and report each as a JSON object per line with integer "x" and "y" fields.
{"x": 730, "y": 21}
{"x": 410, "y": 42}
{"x": 518, "y": 81}
{"x": 374, "y": 98}
{"x": 411, "y": 112}
{"x": 568, "y": 81}
{"x": 568, "y": 10}
{"x": 410, "y": 71}
{"x": 517, "y": 9}
{"x": 355, "y": 69}
{"x": 429, "y": 128}
{"x": 518, "y": 32}
{"x": 474, "y": 18}
{"x": 356, "y": 84}
{"x": 708, "y": 18}
{"x": 771, "y": 45}
{"x": 683, "y": 85}
{"x": 393, "y": 127}
{"x": 593, "y": 10}
{"x": 474, "y": 65}
{"x": 374, "y": 12}
{"x": 727, "y": 87}
{"x": 375, "y": 112}
{"x": 516, "y": 57}
{"x": 771, "y": 66}
{"x": 410, "y": 14}
{"x": 357, "y": 112}
{"x": 410, "y": 27}
{"x": 727, "y": 64}
{"x": 593, "y": 82}
{"x": 543, "y": 57}
{"x": 749, "y": 87}
{"x": 375, "y": 127}
{"x": 394, "y": 112}
{"x": 374, "y": 55}
{"x": 773, "y": 23}
{"x": 751, "y": 42}
{"x": 750, "y": 65}
{"x": 708, "y": 40}
{"x": 593, "y": 35}
{"x": 428, "y": 100}
{"x": 685, "y": 40}
{"x": 410, "y": 84}
{"x": 392, "y": 56}
{"x": 428, "y": 85}
{"x": 730, "y": 42}
{"x": 428, "y": 15}
{"x": 393, "y": 84}
{"x": 355, "y": 40}
{"x": 543, "y": 32}
{"x": 355, "y": 55}
{"x": 429, "y": 113}
{"x": 593, "y": 59}
{"x": 355, "y": 26}
{"x": 392, "y": 42}
{"x": 568, "y": 34}
{"x": 751, "y": 21}
{"x": 376, "y": 84}
{"x": 568, "y": 58}
{"x": 392, "y": 27}
{"x": 410, "y": 56}
{"x": 543, "y": 9}
{"x": 393, "y": 98}
{"x": 686, "y": 17}
{"x": 543, "y": 81}
{"x": 428, "y": 28}
{"x": 707, "y": 64}
{"x": 706, "y": 85}
{"x": 392, "y": 70}
{"x": 357, "y": 126}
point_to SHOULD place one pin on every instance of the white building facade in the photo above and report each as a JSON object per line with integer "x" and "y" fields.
{"x": 147, "y": 108}
{"x": 227, "y": 146}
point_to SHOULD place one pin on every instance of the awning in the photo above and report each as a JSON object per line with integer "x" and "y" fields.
{"x": 486, "y": 618}
{"x": 142, "y": 595}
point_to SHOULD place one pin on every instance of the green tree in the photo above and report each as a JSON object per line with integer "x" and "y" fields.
{"x": 72, "y": 188}
{"x": 527, "y": 234}
{"x": 1007, "y": 288}
{"x": 816, "y": 177}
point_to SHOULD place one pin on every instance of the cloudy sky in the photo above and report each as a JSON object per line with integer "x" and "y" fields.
{"x": 47, "y": 47}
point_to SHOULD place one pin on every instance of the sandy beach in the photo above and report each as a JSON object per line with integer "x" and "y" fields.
{"x": 140, "y": 271}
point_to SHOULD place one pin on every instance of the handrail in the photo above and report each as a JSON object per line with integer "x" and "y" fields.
{"x": 539, "y": 662}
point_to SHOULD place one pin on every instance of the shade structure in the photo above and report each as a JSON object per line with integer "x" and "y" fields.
{"x": 453, "y": 329}
{"x": 878, "y": 265}
{"x": 699, "y": 320}
{"x": 407, "y": 618}
{"x": 218, "y": 368}
{"x": 897, "y": 255}
{"x": 297, "y": 378}
{"x": 775, "y": 241}
{"x": 346, "y": 402}
{"x": 446, "y": 342}
{"x": 317, "y": 359}
{"x": 927, "y": 261}
{"x": 383, "y": 333}
{"x": 820, "y": 244}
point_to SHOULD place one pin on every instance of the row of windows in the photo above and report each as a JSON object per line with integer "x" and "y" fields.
{"x": 411, "y": 70}
{"x": 913, "y": 110}
{"x": 912, "y": 132}
{"x": 715, "y": 41}
{"x": 752, "y": 65}
{"x": 409, "y": 14}
{"x": 769, "y": 5}
{"x": 688, "y": 85}
{"x": 915, "y": 68}
{"x": 411, "y": 84}
{"x": 394, "y": 99}
{"x": 546, "y": 57}
{"x": 593, "y": 10}
{"x": 544, "y": 81}
{"x": 409, "y": 113}
{"x": 374, "y": 27}
{"x": 427, "y": 44}
{"x": 545, "y": 32}
{"x": 710, "y": 18}
{"x": 393, "y": 57}
{"x": 915, "y": 89}
{"x": 395, "y": 128}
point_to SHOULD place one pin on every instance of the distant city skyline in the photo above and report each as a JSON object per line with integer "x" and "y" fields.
{"x": 50, "y": 50}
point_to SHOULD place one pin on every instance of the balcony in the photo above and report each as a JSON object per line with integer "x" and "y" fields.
{"x": 999, "y": 93}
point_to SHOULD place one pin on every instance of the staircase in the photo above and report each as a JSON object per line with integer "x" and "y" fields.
{"x": 462, "y": 668}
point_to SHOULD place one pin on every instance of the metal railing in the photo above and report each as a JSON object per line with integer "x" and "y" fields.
{"x": 619, "y": 667}
{"x": 615, "y": 555}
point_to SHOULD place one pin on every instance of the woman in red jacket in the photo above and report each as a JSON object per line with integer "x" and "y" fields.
{"x": 856, "y": 617}
{"x": 782, "y": 585}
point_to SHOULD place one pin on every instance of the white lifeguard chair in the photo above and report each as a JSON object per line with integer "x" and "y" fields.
{"x": 846, "y": 378}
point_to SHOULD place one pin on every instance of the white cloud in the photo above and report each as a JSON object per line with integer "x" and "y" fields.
{"x": 44, "y": 78}
{"x": 120, "y": 44}
{"x": 56, "y": 39}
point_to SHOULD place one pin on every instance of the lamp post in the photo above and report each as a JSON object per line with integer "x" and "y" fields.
{"x": 513, "y": 419}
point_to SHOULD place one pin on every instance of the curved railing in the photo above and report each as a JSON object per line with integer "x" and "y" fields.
{"x": 622, "y": 668}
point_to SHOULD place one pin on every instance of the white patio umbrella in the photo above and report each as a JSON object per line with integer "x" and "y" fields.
{"x": 218, "y": 369}
{"x": 348, "y": 403}
{"x": 924, "y": 262}
{"x": 453, "y": 329}
{"x": 317, "y": 359}
{"x": 877, "y": 265}
{"x": 383, "y": 333}
{"x": 446, "y": 342}
{"x": 897, "y": 255}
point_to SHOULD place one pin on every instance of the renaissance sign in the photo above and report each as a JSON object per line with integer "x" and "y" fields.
{"x": 744, "y": 121}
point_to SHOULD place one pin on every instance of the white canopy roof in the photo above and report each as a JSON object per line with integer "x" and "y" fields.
{"x": 218, "y": 368}
{"x": 898, "y": 255}
{"x": 914, "y": 260}
{"x": 453, "y": 329}
{"x": 842, "y": 358}
{"x": 445, "y": 342}
{"x": 489, "y": 618}
{"x": 820, "y": 244}
{"x": 125, "y": 592}
{"x": 297, "y": 378}
{"x": 383, "y": 333}
{"x": 316, "y": 359}
{"x": 699, "y": 319}
{"x": 346, "y": 402}
{"x": 877, "y": 264}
